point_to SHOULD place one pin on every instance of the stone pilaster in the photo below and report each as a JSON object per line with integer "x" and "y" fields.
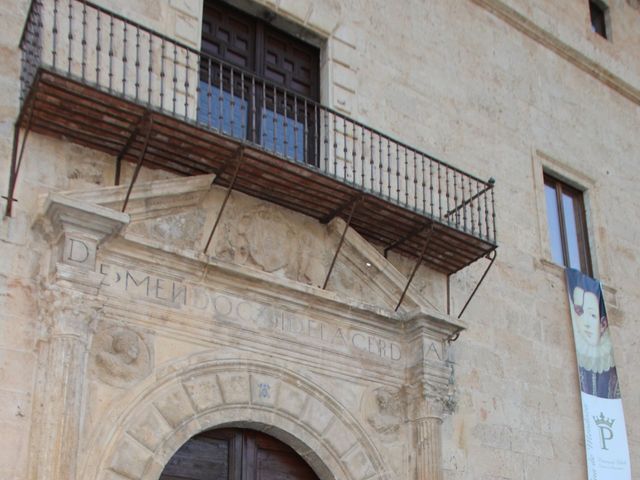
{"x": 430, "y": 387}
{"x": 68, "y": 313}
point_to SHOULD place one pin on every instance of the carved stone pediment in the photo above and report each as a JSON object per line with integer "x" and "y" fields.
{"x": 177, "y": 215}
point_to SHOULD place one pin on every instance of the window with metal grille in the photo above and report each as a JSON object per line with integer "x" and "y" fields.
{"x": 567, "y": 225}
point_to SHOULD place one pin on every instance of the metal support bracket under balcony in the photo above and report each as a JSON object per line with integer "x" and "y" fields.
{"x": 134, "y": 134}
{"x": 354, "y": 204}
{"x": 141, "y": 155}
{"x": 492, "y": 257}
{"x": 16, "y": 160}
{"x": 239, "y": 157}
{"x": 416, "y": 266}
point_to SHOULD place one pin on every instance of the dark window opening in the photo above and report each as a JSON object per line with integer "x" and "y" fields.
{"x": 598, "y": 18}
{"x": 258, "y": 83}
{"x": 567, "y": 225}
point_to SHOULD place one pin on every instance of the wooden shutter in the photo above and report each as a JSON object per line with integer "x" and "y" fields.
{"x": 254, "y": 45}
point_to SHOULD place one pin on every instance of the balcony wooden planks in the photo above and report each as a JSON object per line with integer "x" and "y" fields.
{"x": 65, "y": 108}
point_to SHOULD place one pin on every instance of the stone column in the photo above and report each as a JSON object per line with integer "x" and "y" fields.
{"x": 430, "y": 387}
{"x": 429, "y": 446}
{"x": 68, "y": 312}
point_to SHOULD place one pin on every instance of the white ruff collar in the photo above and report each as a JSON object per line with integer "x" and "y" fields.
{"x": 597, "y": 358}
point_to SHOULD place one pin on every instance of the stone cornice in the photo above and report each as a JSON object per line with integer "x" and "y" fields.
{"x": 562, "y": 49}
{"x": 63, "y": 213}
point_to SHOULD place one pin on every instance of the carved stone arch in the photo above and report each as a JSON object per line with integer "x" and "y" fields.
{"x": 200, "y": 394}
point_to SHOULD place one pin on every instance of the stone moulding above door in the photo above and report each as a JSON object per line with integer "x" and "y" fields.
{"x": 204, "y": 393}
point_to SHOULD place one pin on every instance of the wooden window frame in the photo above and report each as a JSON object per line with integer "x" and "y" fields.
{"x": 561, "y": 188}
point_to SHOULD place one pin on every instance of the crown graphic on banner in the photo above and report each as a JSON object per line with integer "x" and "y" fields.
{"x": 602, "y": 420}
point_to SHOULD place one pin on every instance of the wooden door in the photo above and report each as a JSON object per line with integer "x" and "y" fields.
{"x": 236, "y": 454}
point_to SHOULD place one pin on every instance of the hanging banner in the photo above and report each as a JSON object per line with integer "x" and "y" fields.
{"x": 604, "y": 428}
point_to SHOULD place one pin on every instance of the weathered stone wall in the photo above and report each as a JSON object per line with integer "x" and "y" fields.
{"x": 503, "y": 89}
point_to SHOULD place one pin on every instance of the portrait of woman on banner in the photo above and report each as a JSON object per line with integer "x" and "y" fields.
{"x": 598, "y": 375}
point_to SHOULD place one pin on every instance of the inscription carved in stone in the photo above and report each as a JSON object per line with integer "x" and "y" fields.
{"x": 231, "y": 310}
{"x": 121, "y": 356}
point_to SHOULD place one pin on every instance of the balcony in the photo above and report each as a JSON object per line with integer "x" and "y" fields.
{"x": 100, "y": 80}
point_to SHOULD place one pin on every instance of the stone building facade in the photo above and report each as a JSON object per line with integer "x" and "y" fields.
{"x": 123, "y": 336}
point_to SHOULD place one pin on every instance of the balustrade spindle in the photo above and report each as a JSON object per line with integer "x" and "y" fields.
{"x": 187, "y": 74}
{"x": 275, "y": 119}
{"x": 150, "y": 71}
{"x": 198, "y": 71}
{"x": 264, "y": 116}
{"x": 285, "y": 152}
{"x": 209, "y": 93}
{"x": 472, "y": 219}
{"x": 486, "y": 212}
{"x": 431, "y": 186}
{"x": 295, "y": 128}
{"x": 124, "y": 60}
{"x": 415, "y": 180}
{"x": 455, "y": 199}
{"x": 137, "y": 62}
{"x": 232, "y": 103}
{"x": 353, "y": 152}
{"x": 479, "y": 209}
{"x": 344, "y": 148}
{"x": 424, "y": 185}
{"x": 98, "y": 46}
{"x": 162, "y": 73}
{"x": 326, "y": 141}
{"x": 362, "y": 157}
{"x": 54, "y": 31}
{"x": 174, "y": 99}
{"x": 439, "y": 193}
{"x": 397, "y": 172}
{"x": 371, "y": 167}
{"x": 253, "y": 110}
{"x": 316, "y": 138}
{"x": 83, "y": 43}
{"x": 243, "y": 109}
{"x": 380, "y": 166}
{"x": 110, "y": 53}
{"x": 305, "y": 145}
{"x": 388, "y": 168}
{"x": 464, "y": 204}
{"x": 335, "y": 146}
{"x": 493, "y": 214}
{"x": 447, "y": 197}
{"x": 406, "y": 177}
{"x": 220, "y": 99}
{"x": 70, "y": 38}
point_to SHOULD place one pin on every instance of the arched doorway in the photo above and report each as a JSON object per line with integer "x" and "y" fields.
{"x": 236, "y": 454}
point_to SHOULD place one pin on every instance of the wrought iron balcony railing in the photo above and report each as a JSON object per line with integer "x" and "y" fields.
{"x": 80, "y": 60}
